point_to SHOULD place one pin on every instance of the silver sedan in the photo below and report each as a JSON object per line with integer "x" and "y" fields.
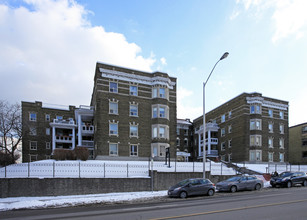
{"x": 238, "y": 183}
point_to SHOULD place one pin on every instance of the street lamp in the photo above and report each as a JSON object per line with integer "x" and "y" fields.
{"x": 204, "y": 115}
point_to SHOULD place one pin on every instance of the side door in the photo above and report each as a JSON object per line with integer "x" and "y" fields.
{"x": 193, "y": 187}
{"x": 242, "y": 183}
{"x": 251, "y": 182}
{"x": 296, "y": 178}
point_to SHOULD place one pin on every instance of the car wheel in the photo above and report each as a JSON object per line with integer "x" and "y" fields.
{"x": 258, "y": 186}
{"x": 233, "y": 189}
{"x": 210, "y": 192}
{"x": 304, "y": 183}
{"x": 289, "y": 184}
{"x": 183, "y": 195}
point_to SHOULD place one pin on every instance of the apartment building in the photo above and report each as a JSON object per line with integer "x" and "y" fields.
{"x": 48, "y": 127}
{"x": 250, "y": 127}
{"x": 135, "y": 113}
{"x": 298, "y": 144}
{"x": 184, "y": 140}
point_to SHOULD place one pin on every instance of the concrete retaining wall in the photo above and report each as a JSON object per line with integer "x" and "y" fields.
{"x": 15, "y": 187}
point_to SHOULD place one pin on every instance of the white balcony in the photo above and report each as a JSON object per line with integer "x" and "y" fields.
{"x": 63, "y": 138}
{"x": 61, "y": 123}
{"x": 88, "y": 144}
{"x": 87, "y": 129}
{"x": 213, "y": 141}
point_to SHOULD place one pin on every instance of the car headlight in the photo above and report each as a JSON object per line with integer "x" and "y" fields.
{"x": 285, "y": 179}
{"x": 178, "y": 188}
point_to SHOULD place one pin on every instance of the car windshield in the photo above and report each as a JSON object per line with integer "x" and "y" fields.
{"x": 236, "y": 178}
{"x": 286, "y": 174}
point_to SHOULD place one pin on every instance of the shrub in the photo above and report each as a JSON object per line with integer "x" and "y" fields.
{"x": 59, "y": 154}
{"x": 6, "y": 159}
{"x": 81, "y": 153}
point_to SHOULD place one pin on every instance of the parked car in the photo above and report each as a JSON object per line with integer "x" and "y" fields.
{"x": 238, "y": 183}
{"x": 289, "y": 179}
{"x": 191, "y": 187}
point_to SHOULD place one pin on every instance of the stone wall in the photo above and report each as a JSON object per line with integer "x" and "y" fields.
{"x": 16, "y": 187}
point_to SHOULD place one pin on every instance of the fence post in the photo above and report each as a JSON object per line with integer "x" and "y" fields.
{"x": 275, "y": 167}
{"x": 28, "y": 169}
{"x": 104, "y": 170}
{"x": 5, "y": 171}
{"x": 193, "y": 166}
{"x": 221, "y": 168}
{"x": 210, "y": 170}
{"x": 127, "y": 170}
{"x": 299, "y": 167}
{"x": 79, "y": 170}
{"x": 53, "y": 169}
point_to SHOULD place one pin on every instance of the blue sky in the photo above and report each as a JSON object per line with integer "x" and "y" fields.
{"x": 48, "y": 49}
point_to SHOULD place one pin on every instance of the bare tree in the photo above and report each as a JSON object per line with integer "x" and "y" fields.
{"x": 10, "y": 132}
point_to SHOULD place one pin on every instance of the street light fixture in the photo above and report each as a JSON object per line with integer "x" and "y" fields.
{"x": 204, "y": 115}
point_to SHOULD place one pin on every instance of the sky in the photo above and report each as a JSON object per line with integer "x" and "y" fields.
{"x": 49, "y": 49}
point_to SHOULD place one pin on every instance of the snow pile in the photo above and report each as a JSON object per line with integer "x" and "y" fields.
{"x": 64, "y": 201}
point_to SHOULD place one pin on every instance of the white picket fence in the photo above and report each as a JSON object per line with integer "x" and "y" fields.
{"x": 126, "y": 169}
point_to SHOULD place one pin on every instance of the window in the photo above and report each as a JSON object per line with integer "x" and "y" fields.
{"x": 133, "y": 150}
{"x": 281, "y": 129}
{"x": 222, "y": 118}
{"x": 133, "y": 130}
{"x": 158, "y": 92}
{"x": 178, "y": 131}
{"x": 270, "y": 127}
{"x": 160, "y": 131}
{"x": 33, "y": 158}
{"x": 304, "y": 130}
{"x": 229, "y": 114}
{"x": 255, "y": 140}
{"x": 59, "y": 117}
{"x": 32, "y": 116}
{"x": 162, "y": 92}
{"x": 178, "y": 141}
{"x": 270, "y": 112}
{"x": 33, "y": 145}
{"x": 229, "y": 143}
{"x": 281, "y": 143}
{"x": 113, "y": 87}
{"x": 155, "y": 151}
{"x": 113, "y": 108}
{"x": 229, "y": 129}
{"x": 304, "y": 142}
{"x": 270, "y": 142}
{"x": 223, "y": 146}
{"x": 155, "y": 92}
{"x": 47, "y": 117}
{"x": 113, "y": 149}
{"x": 255, "y": 124}
{"x": 270, "y": 156}
{"x": 186, "y": 132}
{"x": 281, "y": 115}
{"x": 47, "y": 131}
{"x": 113, "y": 129}
{"x": 304, "y": 154}
{"x": 133, "y": 110}
{"x": 186, "y": 142}
{"x": 47, "y": 145}
{"x": 255, "y": 109}
{"x": 222, "y": 132}
{"x": 160, "y": 111}
{"x": 255, "y": 155}
{"x": 133, "y": 90}
{"x": 281, "y": 157}
{"x": 33, "y": 131}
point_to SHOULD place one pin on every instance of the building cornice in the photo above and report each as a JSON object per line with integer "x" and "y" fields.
{"x": 266, "y": 103}
{"x": 152, "y": 81}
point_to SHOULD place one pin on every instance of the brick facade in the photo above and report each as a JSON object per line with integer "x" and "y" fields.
{"x": 298, "y": 144}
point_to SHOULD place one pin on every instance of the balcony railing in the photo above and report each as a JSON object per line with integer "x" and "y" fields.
{"x": 62, "y": 121}
{"x": 88, "y": 143}
{"x": 63, "y": 138}
{"x": 87, "y": 129}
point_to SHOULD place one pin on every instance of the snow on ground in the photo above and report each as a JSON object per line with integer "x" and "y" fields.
{"x": 64, "y": 201}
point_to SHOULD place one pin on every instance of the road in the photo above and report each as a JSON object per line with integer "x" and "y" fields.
{"x": 280, "y": 203}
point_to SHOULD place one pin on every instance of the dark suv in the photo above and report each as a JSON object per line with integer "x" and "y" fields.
{"x": 289, "y": 179}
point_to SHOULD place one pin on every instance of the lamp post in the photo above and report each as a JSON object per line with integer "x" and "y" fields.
{"x": 204, "y": 115}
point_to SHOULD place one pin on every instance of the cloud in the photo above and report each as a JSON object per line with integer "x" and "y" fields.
{"x": 289, "y": 16}
{"x": 186, "y": 109}
{"x": 163, "y": 61}
{"x": 49, "y": 53}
